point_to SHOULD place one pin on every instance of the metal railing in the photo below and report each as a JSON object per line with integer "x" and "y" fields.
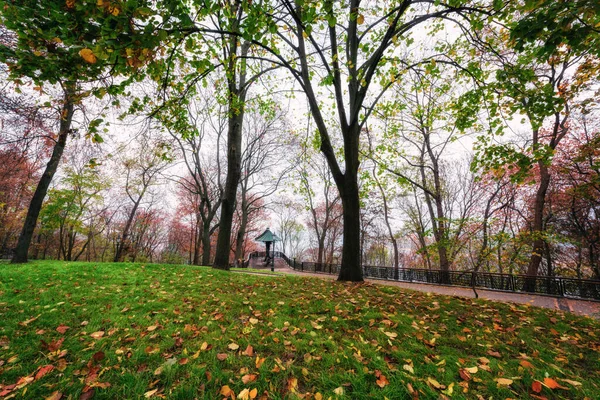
{"x": 545, "y": 285}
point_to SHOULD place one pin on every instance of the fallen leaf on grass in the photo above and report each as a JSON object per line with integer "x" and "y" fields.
{"x": 98, "y": 356}
{"x": 87, "y": 394}
{"x": 504, "y": 381}
{"x": 472, "y": 370}
{"x": 30, "y": 320}
{"x": 249, "y": 351}
{"x": 494, "y": 354}
{"x": 259, "y": 362}
{"x": 54, "y": 345}
{"x": 435, "y": 383}
{"x": 552, "y": 384}
{"x": 570, "y": 382}
{"x": 233, "y": 346}
{"x": 536, "y": 386}
{"x": 526, "y": 364}
{"x": 43, "y": 371}
{"x": 221, "y": 356}
{"x": 464, "y": 375}
{"x": 339, "y": 391}
{"x": 62, "y": 329}
{"x": 97, "y": 335}
{"x": 382, "y": 381}
{"x": 55, "y": 396}
{"x": 391, "y": 335}
{"x": 227, "y": 392}
{"x": 292, "y": 384}
{"x": 248, "y": 378}
{"x": 150, "y": 393}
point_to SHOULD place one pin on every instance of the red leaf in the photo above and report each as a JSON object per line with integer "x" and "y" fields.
{"x": 536, "y": 386}
{"x": 87, "y": 394}
{"x": 62, "y": 329}
{"x": 53, "y": 346}
{"x": 99, "y": 356}
{"x": 466, "y": 376}
{"x": 43, "y": 371}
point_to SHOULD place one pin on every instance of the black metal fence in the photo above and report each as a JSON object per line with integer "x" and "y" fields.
{"x": 545, "y": 285}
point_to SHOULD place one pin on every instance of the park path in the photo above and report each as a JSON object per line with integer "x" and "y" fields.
{"x": 581, "y": 307}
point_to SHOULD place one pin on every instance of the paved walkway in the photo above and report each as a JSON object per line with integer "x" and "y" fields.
{"x": 581, "y": 307}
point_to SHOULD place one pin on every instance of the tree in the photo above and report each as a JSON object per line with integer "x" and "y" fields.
{"x": 541, "y": 81}
{"x": 201, "y": 190}
{"x": 141, "y": 172}
{"x": 62, "y": 47}
{"x": 68, "y": 208}
{"x": 323, "y": 207}
{"x": 353, "y": 49}
{"x": 263, "y": 167}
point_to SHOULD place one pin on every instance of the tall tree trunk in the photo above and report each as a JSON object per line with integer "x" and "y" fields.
{"x": 538, "y": 228}
{"x": 123, "y": 244}
{"x": 234, "y": 163}
{"x": 37, "y": 200}
{"x": 206, "y": 244}
{"x": 351, "y": 263}
{"x": 321, "y": 249}
{"x": 241, "y": 234}
{"x": 197, "y": 243}
{"x": 386, "y": 215}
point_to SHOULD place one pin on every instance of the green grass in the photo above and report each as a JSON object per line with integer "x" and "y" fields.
{"x": 165, "y": 326}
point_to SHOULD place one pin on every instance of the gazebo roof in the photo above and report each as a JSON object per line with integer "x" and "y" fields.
{"x": 268, "y": 236}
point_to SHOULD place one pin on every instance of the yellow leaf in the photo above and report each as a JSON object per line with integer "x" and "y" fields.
{"x": 114, "y": 11}
{"x": 408, "y": 368}
{"x": 318, "y": 396}
{"x": 226, "y": 391}
{"x": 204, "y": 346}
{"x": 450, "y": 389}
{"x": 472, "y": 370}
{"x": 339, "y": 391}
{"x": 244, "y": 395}
{"x": 233, "y": 346}
{"x": 88, "y": 55}
{"x": 391, "y": 334}
{"x": 292, "y": 384}
{"x": 150, "y": 393}
{"x": 504, "y": 381}
{"x": 253, "y": 393}
{"x": 435, "y": 383}
{"x": 259, "y": 362}
{"x": 574, "y": 383}
{"x": 248, "y": 378}
{"x": 360, "y": 20}
{"x": 253, "y": 321}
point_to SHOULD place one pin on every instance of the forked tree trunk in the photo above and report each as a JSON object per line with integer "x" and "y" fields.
{"x": 37, "y": 200}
